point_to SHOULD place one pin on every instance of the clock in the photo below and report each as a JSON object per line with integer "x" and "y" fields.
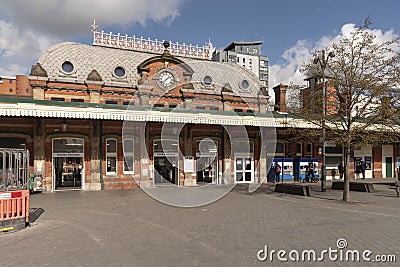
{"x": 166, "y": 78}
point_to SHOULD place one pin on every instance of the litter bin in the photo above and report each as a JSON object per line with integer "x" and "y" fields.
{"x": 35, "y": 183}
{"x": 398, "y": 174}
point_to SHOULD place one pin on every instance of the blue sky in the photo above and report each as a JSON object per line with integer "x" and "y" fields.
{"x": 280, "y": 24}
{"x": 289, "y": 28}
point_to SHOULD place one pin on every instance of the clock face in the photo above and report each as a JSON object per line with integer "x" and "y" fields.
{"x": 166, "y": 78}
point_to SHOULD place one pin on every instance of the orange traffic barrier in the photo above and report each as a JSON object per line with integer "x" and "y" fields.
{"x": 14, "y": 205}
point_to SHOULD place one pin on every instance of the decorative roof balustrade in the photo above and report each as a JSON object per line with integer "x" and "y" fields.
{"x": 102, "y": 38}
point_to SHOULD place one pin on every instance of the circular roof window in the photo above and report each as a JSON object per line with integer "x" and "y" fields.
{"x": 245, "y": 84}
{"x": 67, "y": 67}
{"x": 119, "y": 72}
{"x": 207, "y": 81}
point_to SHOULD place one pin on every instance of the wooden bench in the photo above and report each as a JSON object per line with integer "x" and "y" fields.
{"x": 293, "y": 189}
{"x": 354, "y": 186}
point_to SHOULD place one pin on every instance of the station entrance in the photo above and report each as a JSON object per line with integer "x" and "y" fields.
{"x": 166, "y": 160}
{"x": 68, "y": 158}
{"x": 207, "y": 161}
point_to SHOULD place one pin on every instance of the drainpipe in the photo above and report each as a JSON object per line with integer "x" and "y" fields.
{"x": 101, "y": 154}
{"x": 223, "y": 154}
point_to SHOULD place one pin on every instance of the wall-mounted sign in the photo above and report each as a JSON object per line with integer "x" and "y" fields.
{"x": 368, "y": 163}
{"x": 188, "y": 164}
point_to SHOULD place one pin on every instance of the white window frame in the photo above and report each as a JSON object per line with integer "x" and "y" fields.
{"x": 129, "y": 154}
{"x": 243, "y": 156}
{"x": 112, "y": 155}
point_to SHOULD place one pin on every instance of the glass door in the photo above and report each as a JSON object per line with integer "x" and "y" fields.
{"x": 244, "y": 161}
{"x": 206, "y": 161}
{"x": 68, "y": 168}
{"x": 244, "y": 170}
{"x": 68, "y": 173}
{"x": 166, "y": 160}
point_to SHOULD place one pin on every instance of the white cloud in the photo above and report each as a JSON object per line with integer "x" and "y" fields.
{"x": 19, "y": 49}
{"x": 289, "y": 71}
{"x": 62, "y": 18}
{"x": 29, "y": 27}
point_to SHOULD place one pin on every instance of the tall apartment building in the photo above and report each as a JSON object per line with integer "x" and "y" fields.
{"x": 247, "y": 54}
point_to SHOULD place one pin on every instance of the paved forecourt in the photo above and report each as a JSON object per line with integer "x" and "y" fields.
{"x": 128, "y": 228}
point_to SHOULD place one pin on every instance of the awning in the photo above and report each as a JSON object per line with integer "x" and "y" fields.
{"x": 184, "y": 116}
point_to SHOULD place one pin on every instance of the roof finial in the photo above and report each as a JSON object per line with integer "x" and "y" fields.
{"x": 94, "y": 26}
{"x": 166, "y": 44}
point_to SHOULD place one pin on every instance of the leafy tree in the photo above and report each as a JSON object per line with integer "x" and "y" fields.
{"x": 357, "y": 79}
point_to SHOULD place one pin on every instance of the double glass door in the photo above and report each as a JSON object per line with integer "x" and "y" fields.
{"x": 244, "y": 170}
{"x": 68, "y": 163}
{"x": 67, "y": 172}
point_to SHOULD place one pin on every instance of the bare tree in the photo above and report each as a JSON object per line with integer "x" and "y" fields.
{"x": 352, "y": 92}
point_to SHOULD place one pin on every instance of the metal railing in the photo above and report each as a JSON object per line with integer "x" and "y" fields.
{"x": 14, "y": 169}
{"x": 147, "y": 45}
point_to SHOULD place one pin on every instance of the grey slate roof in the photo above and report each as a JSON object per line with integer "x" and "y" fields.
{"x": 104, "y": 60}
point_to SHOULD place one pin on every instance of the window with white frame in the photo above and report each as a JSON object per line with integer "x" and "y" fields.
{"x": 111, "y": 154}
{"x": 129, "y": 155}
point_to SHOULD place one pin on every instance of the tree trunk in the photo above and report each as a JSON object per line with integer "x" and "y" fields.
{"x": 346, "y": 180}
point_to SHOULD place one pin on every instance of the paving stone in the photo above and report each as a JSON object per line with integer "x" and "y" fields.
{"x": 129, "y": 228}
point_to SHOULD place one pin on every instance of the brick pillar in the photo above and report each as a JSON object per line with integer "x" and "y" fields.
{"x": 377, "y": 162}
{"x": 190, "y": 178}
{"x": 145, "y": 167}
{"x": 280, "y": 97}
{"x": 94, "y": 182}
{"x": 228, "y": 172}
{"x": 39, "y": 159}
{"x": 262, "y": 164}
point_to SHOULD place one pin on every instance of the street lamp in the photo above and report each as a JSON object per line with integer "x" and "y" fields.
{"x": 322, "y": 60}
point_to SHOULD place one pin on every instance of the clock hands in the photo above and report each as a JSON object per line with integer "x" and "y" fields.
{"x": 166, "y": 79}
{"x": 162, "y": 78}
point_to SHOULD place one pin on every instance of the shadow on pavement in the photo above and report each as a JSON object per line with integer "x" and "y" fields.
{"x": 34, "y": 214}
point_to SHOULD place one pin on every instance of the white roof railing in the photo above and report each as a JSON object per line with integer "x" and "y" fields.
{"x": 101, "y": 38}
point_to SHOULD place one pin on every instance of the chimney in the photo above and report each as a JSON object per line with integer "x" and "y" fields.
{"x": 280, "y": 97}
{"x": 331, "y": 100}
